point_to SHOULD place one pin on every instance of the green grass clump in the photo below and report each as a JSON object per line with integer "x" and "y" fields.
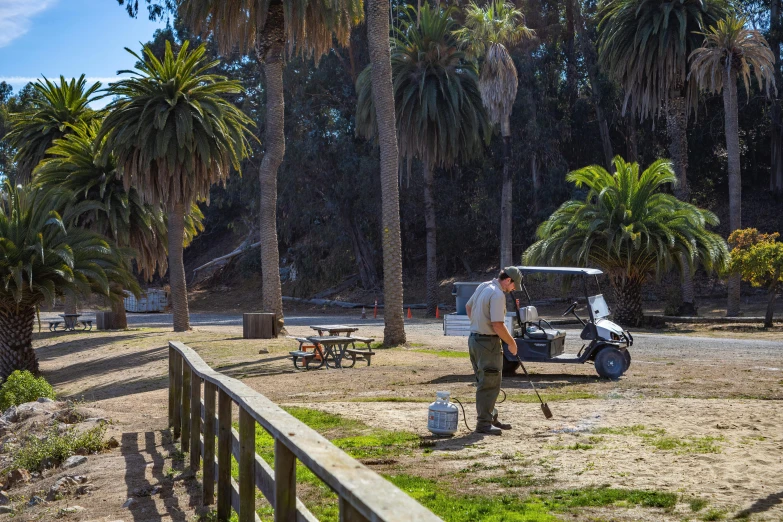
{"x": 657, "y": 438}
{"x": 714, "y": 514}
{"x": 605, "y": 496}
{"x": 468, "y": 508}
{"x": 23, "y": 386}
{"x": 445, "y": 353}
{"x": 697, "y": 504}
{"x": 56, "y": 447}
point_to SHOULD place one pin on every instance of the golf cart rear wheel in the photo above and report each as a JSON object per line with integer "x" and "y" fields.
{"x": 610, "y": 363}
{"x": 510, "y": 367}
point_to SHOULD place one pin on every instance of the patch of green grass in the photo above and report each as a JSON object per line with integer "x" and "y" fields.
{"x": 606, "y": 496}
{"x": 714, "y": 514}
{"x": 697, "y": 504}
{"x": 445, "y": 353}
{"x": 551, "y": 397}
{"x": 657, "y": 438}
{"x": 55, "y": 447}
{"x": 467, "y": 508}
{"x": 636, "y": 429}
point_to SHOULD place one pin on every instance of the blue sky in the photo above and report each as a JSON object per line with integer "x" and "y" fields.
{"x": 68, "y": 37}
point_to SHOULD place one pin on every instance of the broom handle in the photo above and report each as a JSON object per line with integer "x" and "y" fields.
{"x": 529, "y": 379}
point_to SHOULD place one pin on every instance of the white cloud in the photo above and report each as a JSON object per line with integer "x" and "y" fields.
{"x": 15, "y": 17}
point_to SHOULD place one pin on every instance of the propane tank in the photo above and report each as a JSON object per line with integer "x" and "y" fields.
{"x": 443, "y": 416}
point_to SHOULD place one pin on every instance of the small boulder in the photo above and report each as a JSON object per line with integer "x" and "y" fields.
{"x": 43, "y": 400}
{"x": 71, "y": 510}
{"x": 6, "y": 510}
{"x": 112, "y": 443}
{"x": 76, "y": 460}
{"x": 64, "y": 485}
{"x": 35, "y": 500}
{"x": 4, "y": 500}
{"x": 10, "y": 415}
{"x": 17, "y": 476}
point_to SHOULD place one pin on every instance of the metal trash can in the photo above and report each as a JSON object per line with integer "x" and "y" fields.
{"x": 463, "y": 292}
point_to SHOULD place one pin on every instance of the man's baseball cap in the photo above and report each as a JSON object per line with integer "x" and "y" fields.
{"x": 514, "y": 273}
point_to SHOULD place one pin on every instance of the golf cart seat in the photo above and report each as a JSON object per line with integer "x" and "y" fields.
{"x": 537, "y": 328}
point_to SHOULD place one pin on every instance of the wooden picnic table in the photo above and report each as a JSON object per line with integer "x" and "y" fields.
{"x": 332, "y": 350}
{"x": 335, "y": 329}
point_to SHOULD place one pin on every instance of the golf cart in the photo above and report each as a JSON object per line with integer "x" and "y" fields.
{"x": 606, "y": 343}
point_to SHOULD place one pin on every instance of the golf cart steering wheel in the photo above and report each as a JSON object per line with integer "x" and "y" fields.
{"x": 570, "y": 309}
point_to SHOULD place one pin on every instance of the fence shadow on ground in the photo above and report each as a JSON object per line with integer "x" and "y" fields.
{"x": 519, "y": 381}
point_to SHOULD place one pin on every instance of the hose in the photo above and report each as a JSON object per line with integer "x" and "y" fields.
{"x": 464, "y": 418}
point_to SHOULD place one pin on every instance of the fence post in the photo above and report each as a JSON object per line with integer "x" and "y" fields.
{"x": 172, "y": 354}
{"x": 348, "y": 513}
{"x": 246, "y": 461}
{"x": 195, "y": 422}
{"x": 209, "y": 443}
{"x": 177, "y": 395}
{"x": 186, "y": 375}
{"x": 224, "y": 456}
{"x": 285, "y": 483}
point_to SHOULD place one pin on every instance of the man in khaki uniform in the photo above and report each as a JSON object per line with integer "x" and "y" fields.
{"x": 487, "y": 312}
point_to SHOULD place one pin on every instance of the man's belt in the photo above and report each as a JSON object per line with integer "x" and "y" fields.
{"x": 475, "y": 334}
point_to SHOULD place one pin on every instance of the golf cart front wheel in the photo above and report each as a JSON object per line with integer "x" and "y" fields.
{"x": 610, "y": 363}
{"x": 627, "y": 357}
{"x": 509, "y": 367}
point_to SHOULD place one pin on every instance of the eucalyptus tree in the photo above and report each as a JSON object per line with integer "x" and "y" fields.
{"x": 487, "y": 34}
{"x": 40, "y": 259}
{"x": 631, "y": 229}
{"x": 268, "y": 28}
{"x": 729, "y": 52}
{"x": 383, "y": 100}
{"x": 173, "y": 135}
{"x": 53, "y": 107}
{"x": 439, "y": 112}
{"x": 644, "y": 45}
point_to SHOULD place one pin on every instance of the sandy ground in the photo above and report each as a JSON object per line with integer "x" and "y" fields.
{"x": 698, "y": 414}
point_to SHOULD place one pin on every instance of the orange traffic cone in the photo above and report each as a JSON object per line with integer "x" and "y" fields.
{"x": 410, "y": 316}
{"x": 437, "y": 313}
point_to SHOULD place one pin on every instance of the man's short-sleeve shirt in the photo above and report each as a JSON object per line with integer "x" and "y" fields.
{"x": 487, "y": 305}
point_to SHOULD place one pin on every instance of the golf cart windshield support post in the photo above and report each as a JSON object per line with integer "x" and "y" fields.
{"x": 590, "y": 308}
{"x": 529, "y": 301}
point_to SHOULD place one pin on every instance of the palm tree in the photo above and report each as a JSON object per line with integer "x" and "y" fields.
{"x": 383, "y": 100}
{"x": 174, "y": 135}
{"x": 487, "y": 34}
{"x": 306, "y": 26}
{"x": 39, "y": 260}
{"x": 117, "y": 214}
{"x": 644, "y": 45}
{"x": 439, "y": 112}
{"x": 53, "y": 108}
{"x": 627, "y": 226}
{"x": 728, "y": 52}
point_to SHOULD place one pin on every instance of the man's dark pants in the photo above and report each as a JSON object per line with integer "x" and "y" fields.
{"x": 486, "y": 356}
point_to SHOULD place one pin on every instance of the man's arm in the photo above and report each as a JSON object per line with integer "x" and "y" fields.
{"x": 502, "y": 331}
{"x": 468, "y": 308}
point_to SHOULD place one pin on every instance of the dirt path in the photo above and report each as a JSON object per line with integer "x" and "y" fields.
{"x": 696, "y": 416}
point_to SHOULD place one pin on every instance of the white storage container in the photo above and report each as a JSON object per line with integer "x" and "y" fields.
{"x": 153, "y": 300}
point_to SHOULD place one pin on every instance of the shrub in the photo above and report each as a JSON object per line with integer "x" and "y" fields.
{"x": 56, "y": 447}
{"x": 23, "y": 386}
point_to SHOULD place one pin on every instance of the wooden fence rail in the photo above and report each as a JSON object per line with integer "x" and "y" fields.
{"x": 363, "y": 495}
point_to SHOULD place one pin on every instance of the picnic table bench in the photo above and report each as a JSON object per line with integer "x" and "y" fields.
{"x": 331, "y": 350}
{"x": 70, "y": 323}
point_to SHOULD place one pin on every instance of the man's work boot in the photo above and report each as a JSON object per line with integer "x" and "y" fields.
{"x": 489, "y": 430}
{"x": 502, "y": 425}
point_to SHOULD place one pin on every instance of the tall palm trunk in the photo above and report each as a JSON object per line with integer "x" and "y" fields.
{"x": 16, "y": 340}
{"x": 735, "y": 176}
{"x": 432, "y": 260}
{"x": 628, "y": 297}
{"x": 676, "y": 127}
{"x": 269, "y": 53}
{"x": 776, "y": 122}
{"x": 179, "y": 289}
{"x": 506, "y": 197}
{"x": 120, "y": 320}
{"x": 383, "y": 99}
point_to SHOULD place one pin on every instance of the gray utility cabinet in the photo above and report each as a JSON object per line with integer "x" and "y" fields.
{"x": 459, "y": 324}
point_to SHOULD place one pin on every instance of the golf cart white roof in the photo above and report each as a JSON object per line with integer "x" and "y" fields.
{"x": 559, "y": 270}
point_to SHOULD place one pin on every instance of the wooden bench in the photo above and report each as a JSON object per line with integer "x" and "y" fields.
{"x": 53, "y": 325}
{"x": 305, "y": 356}
{"x": 86, "y": 325}
{"x": 365, "y": 340}
{"x": 361, "y": 354}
